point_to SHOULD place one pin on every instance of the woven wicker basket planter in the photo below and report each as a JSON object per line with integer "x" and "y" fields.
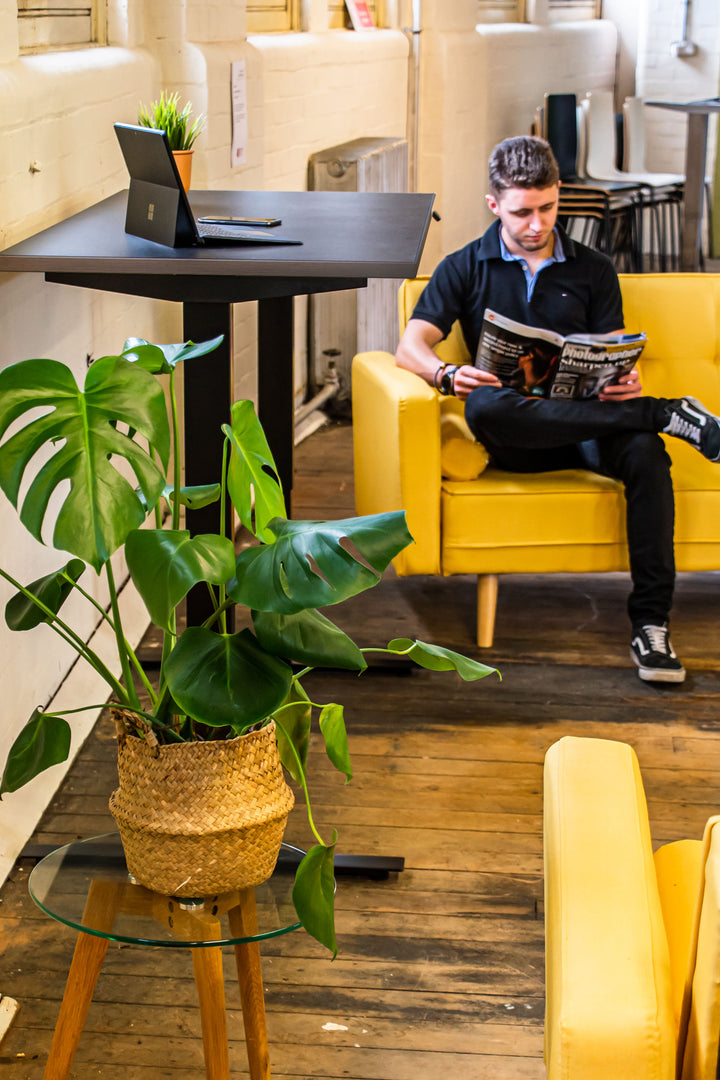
{"x": 201, "y": 818}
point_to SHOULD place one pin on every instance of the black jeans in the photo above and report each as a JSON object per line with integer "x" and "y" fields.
{"x": 613, "y": 438}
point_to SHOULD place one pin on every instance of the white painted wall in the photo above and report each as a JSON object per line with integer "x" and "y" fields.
{"x": 481, "y": 84}
{"x": 661, "y": 76}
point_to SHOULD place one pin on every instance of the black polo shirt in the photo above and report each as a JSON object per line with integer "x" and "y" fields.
{"x": 579, "y": 295}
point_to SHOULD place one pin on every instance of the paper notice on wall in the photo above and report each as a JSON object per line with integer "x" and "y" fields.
{"x": 360, "y": 15}
{"x": 238, "y": 82}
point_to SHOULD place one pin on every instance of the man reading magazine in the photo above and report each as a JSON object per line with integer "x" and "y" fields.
{"x": 526, "y": 268}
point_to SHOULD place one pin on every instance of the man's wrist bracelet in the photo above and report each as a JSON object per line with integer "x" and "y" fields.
{"x": 438, "y": 369}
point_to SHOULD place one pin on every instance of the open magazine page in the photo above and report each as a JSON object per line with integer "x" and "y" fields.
{"x": 521, "y": 356}
{"x": 541, "y": 363}
{"x": 585, "y": 367}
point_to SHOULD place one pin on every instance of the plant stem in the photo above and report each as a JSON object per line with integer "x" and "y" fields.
{"x": 120, "y": 637}
{"x": 301, "y": 771}
{"x": 223, "y": 508}
{"x": 176, "y": 452}
{"x": 68, "y": 634}
{"x": 131, "y": 652}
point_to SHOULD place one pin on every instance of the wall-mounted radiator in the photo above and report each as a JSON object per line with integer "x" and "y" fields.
{"x": 344, "y": 323}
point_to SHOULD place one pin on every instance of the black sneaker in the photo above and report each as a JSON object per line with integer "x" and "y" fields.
{"x": 691, "y": 421}
{"x": 655, "y": 657}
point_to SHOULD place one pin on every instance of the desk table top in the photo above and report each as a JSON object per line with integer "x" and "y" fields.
{"x": 344, "y": 235}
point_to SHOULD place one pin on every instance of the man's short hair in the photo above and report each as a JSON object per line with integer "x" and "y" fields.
{"x": 524, "y": 161}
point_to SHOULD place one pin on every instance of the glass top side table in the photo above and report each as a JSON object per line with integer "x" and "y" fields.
{"x": 86, "y": 886}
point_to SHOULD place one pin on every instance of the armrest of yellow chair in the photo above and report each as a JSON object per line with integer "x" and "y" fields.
{"x": 700, "y": 1018}
{"x": 608, "y": 1009}
{"x": 678, "y": 869}
{"x": 396, "y": 434}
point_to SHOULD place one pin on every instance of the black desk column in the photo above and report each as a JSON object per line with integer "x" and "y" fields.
{"x": 276, "y": 384}
{"x": 207, "y": 396}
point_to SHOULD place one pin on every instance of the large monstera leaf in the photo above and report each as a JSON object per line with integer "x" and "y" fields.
{"x": 307, "y": 637}
{"x": 253, "y": 481}
{"x": 313, "y": 564}
{"x": 165, "y": 564}
{"x": 226, "y": 679}
{"x": 80, "y": 430}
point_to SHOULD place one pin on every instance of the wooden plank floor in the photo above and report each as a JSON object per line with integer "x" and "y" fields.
{"x": 440, "y": 969}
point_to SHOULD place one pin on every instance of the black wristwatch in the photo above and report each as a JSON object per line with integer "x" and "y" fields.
{"x": 447, "y": 379}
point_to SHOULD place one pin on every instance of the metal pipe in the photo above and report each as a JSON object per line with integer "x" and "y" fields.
{"x": 413, "y": 112}
{"x": 329, "y": 390}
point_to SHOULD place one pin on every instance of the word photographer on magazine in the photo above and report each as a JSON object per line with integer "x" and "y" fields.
{"x": 526, "y": 268}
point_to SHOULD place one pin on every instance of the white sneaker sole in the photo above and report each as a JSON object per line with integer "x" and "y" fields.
{"x": 702, "y": 411}
{"x": 658, "y": 674}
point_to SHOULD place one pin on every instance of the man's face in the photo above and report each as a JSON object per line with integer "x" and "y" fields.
{"x": 528, "y": 217}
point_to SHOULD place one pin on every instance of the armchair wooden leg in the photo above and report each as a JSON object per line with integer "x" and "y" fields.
{"x": 486, "y": 604}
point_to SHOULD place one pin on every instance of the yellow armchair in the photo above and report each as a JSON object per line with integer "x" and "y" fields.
{"x": 632, "y": 939}
{"x": 488, "y": 522}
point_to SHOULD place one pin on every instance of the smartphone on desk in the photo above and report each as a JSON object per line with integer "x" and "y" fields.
{"x": 266, "y": 222}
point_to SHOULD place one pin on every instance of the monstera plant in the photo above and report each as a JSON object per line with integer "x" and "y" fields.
{"x": 103, "y": 452}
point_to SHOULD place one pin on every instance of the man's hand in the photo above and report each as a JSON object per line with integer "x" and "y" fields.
{"x": 629, "y": 386}
{"x": 467, "y": 378}
{"x": 415, "y": 353}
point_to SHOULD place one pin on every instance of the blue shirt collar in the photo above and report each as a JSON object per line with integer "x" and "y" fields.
{"x": 558, "y": 256}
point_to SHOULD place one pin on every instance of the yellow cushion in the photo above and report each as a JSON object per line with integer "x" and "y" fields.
{"x": 461, "y": 456}
{"x": 609, "y": 1010}
{"x": 562, "y": 522}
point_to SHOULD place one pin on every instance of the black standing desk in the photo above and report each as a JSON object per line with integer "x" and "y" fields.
{"x": 698, "y": 113}
{"x": 347, "y": 237}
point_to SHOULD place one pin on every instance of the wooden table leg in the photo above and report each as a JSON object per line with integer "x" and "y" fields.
{"x": 82, "y": 979}
{"x": 207, "y": 967}
{"x": 243, "y": 923}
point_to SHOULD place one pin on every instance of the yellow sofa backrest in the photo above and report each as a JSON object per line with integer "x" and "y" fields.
{"x": 453, "y": 349}
{"x": 681, "y": 315}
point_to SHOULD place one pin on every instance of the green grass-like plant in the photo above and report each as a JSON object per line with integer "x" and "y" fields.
{"x": 166, "y": 115}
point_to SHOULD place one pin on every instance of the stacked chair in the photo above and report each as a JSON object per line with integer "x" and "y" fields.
{"x": 661, "y": 192}
{"x": 605, "y": 213}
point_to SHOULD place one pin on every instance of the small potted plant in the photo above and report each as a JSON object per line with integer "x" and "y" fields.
{"x": 201, "y": 745}
{"x": 166, "y": 115}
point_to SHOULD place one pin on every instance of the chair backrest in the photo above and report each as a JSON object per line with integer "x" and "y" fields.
{"x": 453, "y": 349}
{"x": 561, "y": 131}
{"x": 600, "y": 130}
{"x": 581, "y": 128}
{"x": 634, "y": 132}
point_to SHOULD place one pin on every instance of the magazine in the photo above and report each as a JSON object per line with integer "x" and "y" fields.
{"x": 541, "y": 363}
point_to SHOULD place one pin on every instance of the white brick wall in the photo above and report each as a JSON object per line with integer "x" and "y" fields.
{"x": 481, "y": 86}
{"x": 661, "y": 76}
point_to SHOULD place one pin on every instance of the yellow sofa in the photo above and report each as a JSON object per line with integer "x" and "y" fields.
{"x": 632, "y": 940}
{"x": 468, "y": 521}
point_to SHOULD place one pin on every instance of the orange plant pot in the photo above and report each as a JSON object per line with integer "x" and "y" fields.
{"x": 183, "y": 160}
